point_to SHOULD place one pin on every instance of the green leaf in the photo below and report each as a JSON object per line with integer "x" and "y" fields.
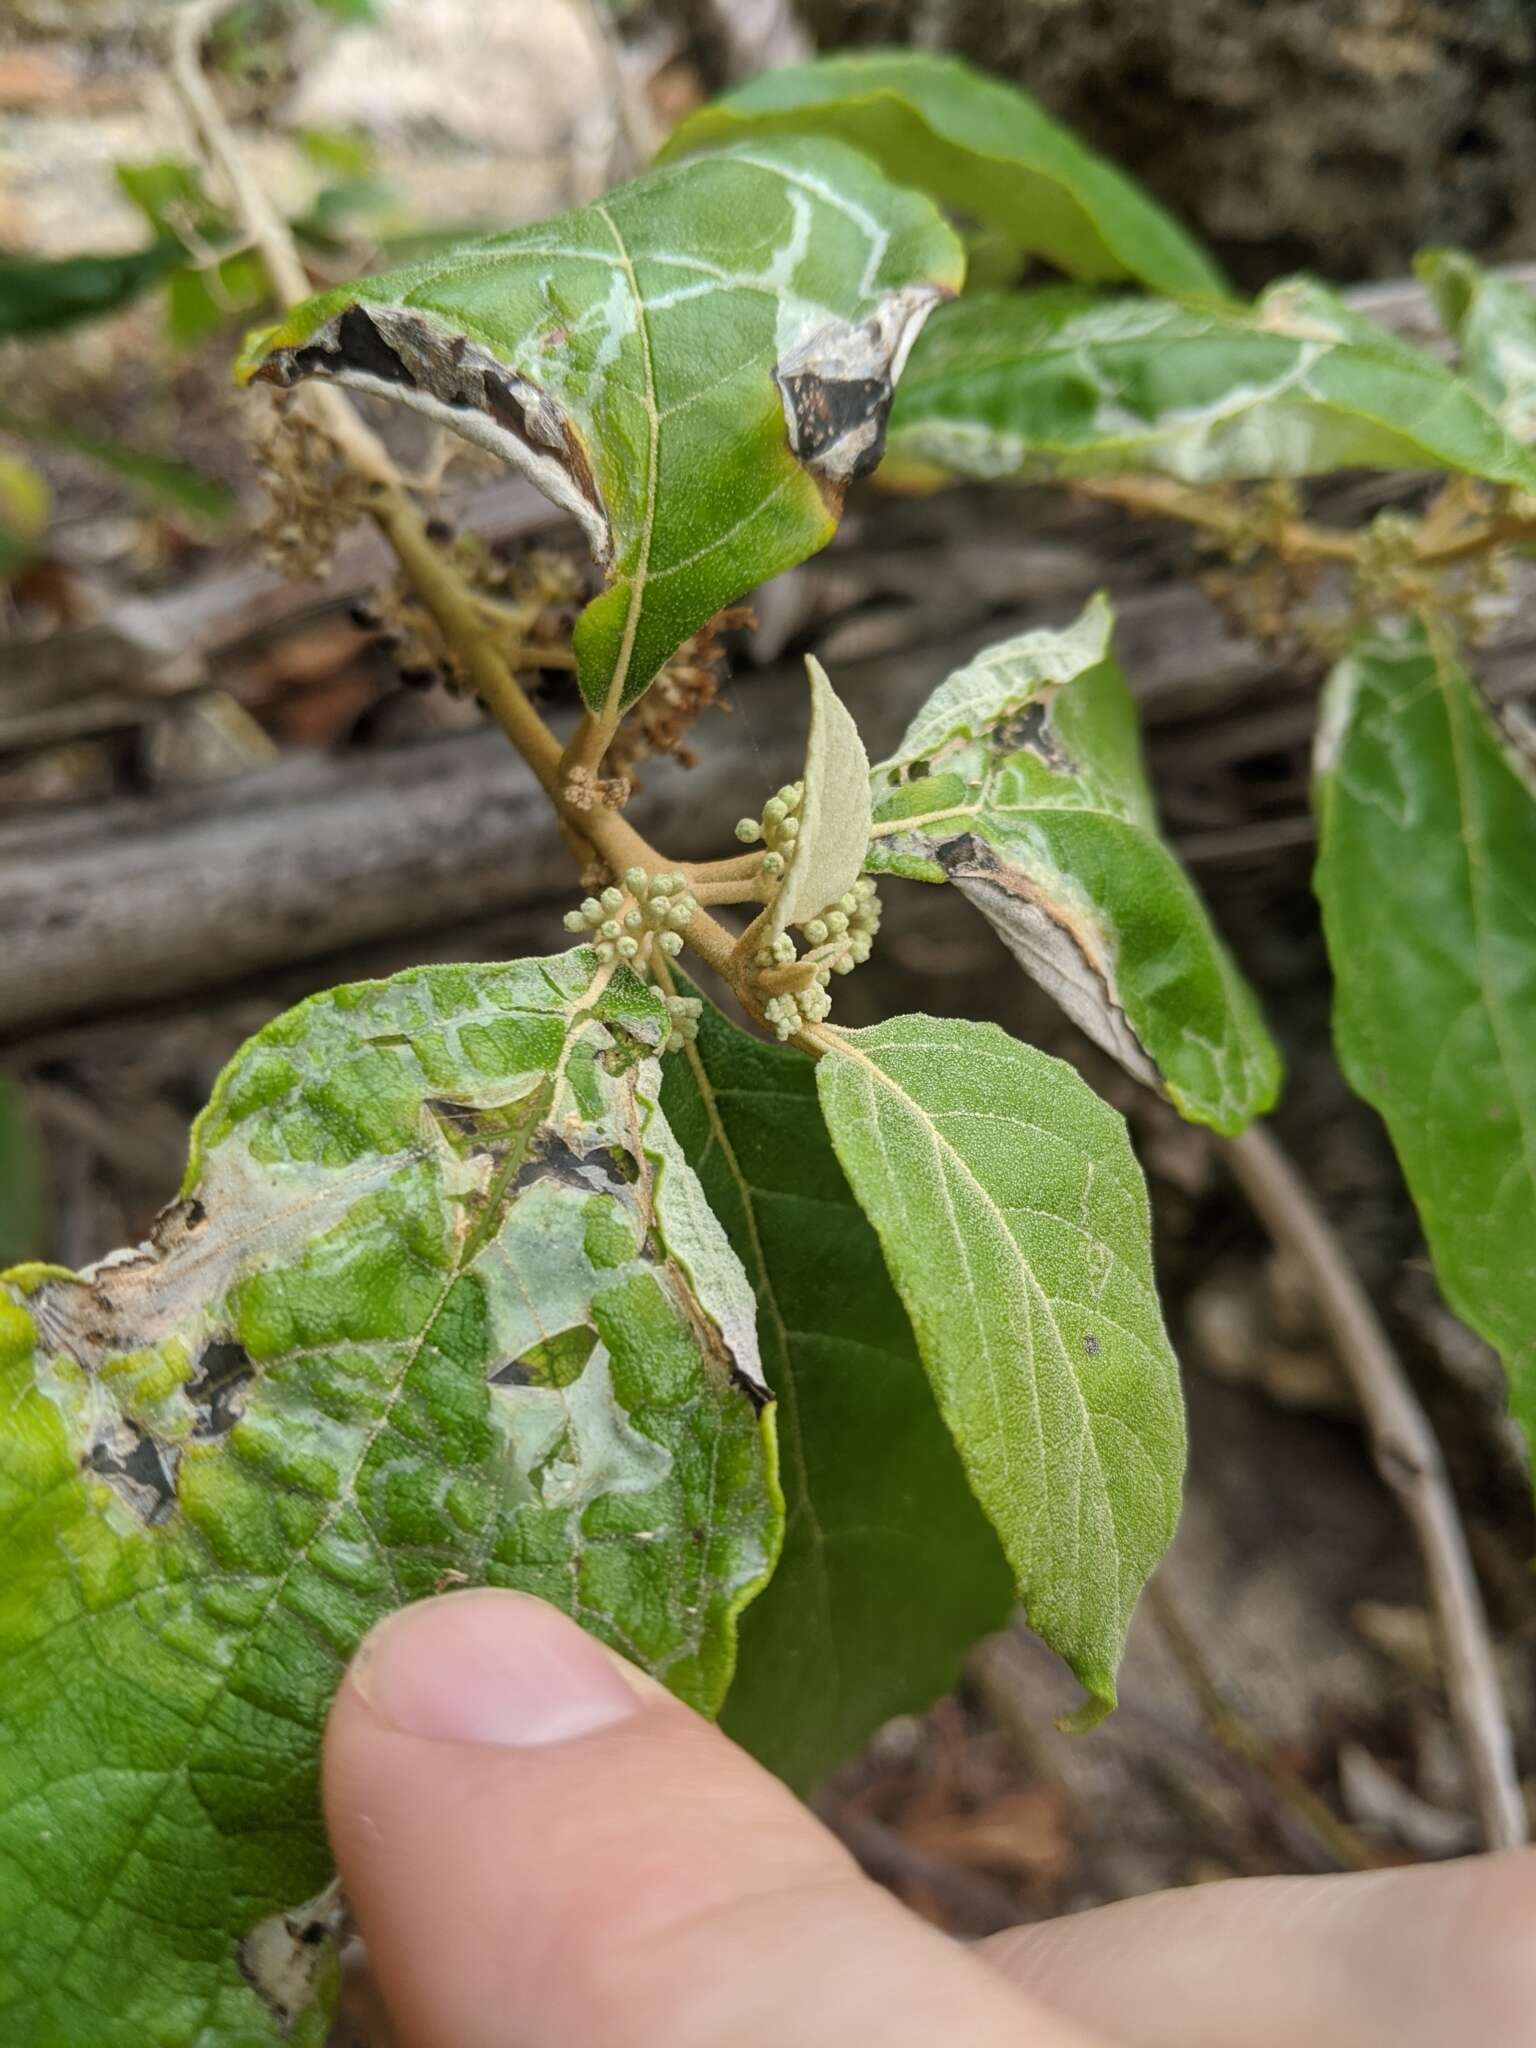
{"x": 1493, "y": 320}
{"x": 41, "y": 296}
{"x": 695, "y": 369}
{"x": 834, "y": 811}
{"x": 889, "y": 1570}
{"x": 1060, "y": 383}
{"x": 978, "y": 146}
{"x": 1014, "y": 1221}
{"x": 1021, "y": 782}
{"x": 441, "y": 1301}
{"x": 1427, "y": 878}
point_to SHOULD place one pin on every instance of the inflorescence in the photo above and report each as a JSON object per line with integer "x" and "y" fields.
{"x": 651, "y": 912}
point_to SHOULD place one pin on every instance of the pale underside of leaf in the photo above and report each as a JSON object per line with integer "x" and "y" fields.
{"x": 695, "y": 369}
{"x": 1015, "y": 1225}
{"x": 441, "y": 1303}
{"x": 834, "y": 811}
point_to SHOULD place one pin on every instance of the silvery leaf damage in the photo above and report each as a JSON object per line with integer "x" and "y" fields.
{"x": 1021, "y": 782}
{"x": 694, "y": 368}
{"x": 441, "y": 1298}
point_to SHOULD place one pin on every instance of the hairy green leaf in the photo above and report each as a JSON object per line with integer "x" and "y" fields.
{"x": 441, "y": 1301}
{"x": 977, "y": 145}
{"x": 1014, "y": 1221}
{"x": 1021, "y": 782}
{"x": 1427, "y": 878}
{"x": 1493, "y": 320}
{"x": 834, "y": 812}
{"x": 1059, "y": 383}
{"x": 695, "y": 368}
{"x": 889, "y": 1570}
{"x": 40, "y": 295}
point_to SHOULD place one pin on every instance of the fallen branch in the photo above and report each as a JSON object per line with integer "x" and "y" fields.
{"x": 1409, "y": 1461}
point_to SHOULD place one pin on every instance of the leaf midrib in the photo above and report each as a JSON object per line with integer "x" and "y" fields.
{"x": 838, "y": 1042}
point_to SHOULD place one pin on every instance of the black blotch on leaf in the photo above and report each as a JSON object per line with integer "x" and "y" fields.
{"x": 225, "y": 1370}
{"x": 826, "y": 410}
{"x": 141, "y": 1469}
{"x": 601, "y": 1170}
{"x": 1090, "y": 1344}
{"x": 513, "y": 1374}
{"x": 1031, "y": 731}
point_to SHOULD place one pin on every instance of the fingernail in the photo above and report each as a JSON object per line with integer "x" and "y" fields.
{"x": 493, "y": 1667}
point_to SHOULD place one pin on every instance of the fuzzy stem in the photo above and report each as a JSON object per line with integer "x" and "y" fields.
{"x": 457, "y": 608}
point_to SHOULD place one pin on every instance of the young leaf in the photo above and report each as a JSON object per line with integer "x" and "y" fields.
{"x": 834, "y": 812}
{"x": 1493, "y": 320}
{"x": 889, "y": 1570}
{"x": 441, "y": 1301}
{"x": 1427, "y": 878}
{"x": 1014, "y": 1221}
{"x": 695, "y": 368}
{"x": 980, "y": 147}
{"x": 1021, "y": 782}
{"x": 1059, "y": 383}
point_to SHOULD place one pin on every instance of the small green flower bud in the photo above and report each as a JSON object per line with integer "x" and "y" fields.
{"x": 591, "y": 910}
{"x": 815, "y": 931}
{"x": 836, "y": 922}
{"x": 783, "y": 950}
{"x": 634, "y": 880}
{"x": 749, "y": 830}
{"x": 610, "y": 928}
{"x": 634, "y": 921}
{"x": 790, "y": 829}
{"x": 611, "y": 899}
{"x": 603, "y": 949}
{"x": 848, "y": 904}
{"x": 773, "y": 863}
{"x": 775, "y": 811}
{"x": 574, "y": 921}
{"x": 671, "y": 944}
{"x": 680, "y": 916}
{"x": 790, "y": 795}
{"x": 628, "y": 948}
{"x": 844, "y": 964}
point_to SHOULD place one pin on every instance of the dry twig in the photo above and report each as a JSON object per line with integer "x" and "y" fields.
{"x": 1408, "y": 1459}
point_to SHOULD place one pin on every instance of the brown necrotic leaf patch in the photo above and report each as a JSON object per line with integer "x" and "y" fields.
{"x": 837, "y": 383}
{"x": 402, "y": 354}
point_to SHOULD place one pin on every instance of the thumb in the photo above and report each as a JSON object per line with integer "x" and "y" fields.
{"x": 542, "y": 1847}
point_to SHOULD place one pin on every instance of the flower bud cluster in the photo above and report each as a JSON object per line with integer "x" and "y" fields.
{"x": 685, "y": 1012}
{"x": 839, "y": 938}
{"x": 778, "y": 828}
{"x": 845, "y": 930}
{"x": 624, "y": 924}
